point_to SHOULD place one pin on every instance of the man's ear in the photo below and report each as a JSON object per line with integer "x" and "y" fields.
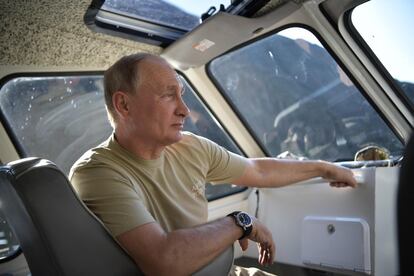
{"x": 120, "y": 102}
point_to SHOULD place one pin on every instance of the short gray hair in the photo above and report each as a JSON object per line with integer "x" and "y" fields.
{"x": 122, "y": 76}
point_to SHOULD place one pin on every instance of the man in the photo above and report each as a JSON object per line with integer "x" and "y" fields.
{"x": 144, "y": 182}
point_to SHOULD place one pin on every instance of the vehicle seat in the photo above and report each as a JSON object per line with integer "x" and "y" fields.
{"x": 57, "y": 233}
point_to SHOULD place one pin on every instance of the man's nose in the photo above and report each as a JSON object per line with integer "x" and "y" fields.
{"x": 182, "y": 108}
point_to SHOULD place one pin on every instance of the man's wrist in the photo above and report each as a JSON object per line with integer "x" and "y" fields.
{"x": 244, "y": 221}
{"x": 324, "y": 170}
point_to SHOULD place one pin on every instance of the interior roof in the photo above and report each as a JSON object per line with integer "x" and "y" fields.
{"x": 52, "y": 33}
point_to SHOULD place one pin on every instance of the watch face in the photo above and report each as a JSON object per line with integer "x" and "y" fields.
{"x": 244, "y": 219}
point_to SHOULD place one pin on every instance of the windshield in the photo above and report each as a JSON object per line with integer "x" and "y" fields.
{"x": 298, "y": 101}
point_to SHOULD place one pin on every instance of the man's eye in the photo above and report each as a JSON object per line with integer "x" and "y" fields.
{"x": 168, "y": 95}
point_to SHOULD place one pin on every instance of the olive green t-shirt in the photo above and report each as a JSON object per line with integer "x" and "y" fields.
{"x": 125, "y": 191}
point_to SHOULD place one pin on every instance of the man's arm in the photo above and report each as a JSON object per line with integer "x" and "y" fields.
{"x": 184, "y": 251}
{"x": 271, "y": 172}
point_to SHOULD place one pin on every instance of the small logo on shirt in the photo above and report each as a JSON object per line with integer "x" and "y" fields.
{"x": 198, "y": 189}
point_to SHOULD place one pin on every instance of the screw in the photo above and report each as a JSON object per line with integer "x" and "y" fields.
{"x": 331, "y": 228}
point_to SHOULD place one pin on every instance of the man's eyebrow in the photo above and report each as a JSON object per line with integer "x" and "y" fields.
{"x": 174, "y": 87}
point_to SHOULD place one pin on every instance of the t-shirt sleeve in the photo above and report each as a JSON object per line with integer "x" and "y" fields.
{"x": 111, "y": 197}
{"x": 224, "y": 166}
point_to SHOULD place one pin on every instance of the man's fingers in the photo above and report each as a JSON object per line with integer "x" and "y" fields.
{"x": 339, "y": 184}
{"x": 265, "y": 244}
{"x": 339, "y": 174}
{"x": 262, "y": 256}
{"x": 266, "y": 253}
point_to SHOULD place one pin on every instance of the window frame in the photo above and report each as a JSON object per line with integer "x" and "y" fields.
{"x": 141, "y": 31}
{"x": 150, "y": 32}
{"x": 331, "y": 53}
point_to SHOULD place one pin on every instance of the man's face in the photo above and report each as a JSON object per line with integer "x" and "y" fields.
{"x": 157, "y": 109}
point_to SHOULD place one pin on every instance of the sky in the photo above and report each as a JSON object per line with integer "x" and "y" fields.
{"x": 386, "y": 25}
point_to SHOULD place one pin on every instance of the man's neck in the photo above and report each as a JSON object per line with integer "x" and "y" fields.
{"x": 142, "y": 149}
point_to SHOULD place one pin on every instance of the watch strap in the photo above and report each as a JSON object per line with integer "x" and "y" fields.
{"x": 246, "y": 230}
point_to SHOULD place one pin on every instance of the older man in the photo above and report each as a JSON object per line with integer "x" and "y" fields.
{"x": 141, "y": 182}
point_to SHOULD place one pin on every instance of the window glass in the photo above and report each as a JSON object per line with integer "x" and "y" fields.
{"x": 388, "y": 35}
{"x": 298, "y": 101}
{"x": 59, "y": 118}
{"x": 181, "y": 14}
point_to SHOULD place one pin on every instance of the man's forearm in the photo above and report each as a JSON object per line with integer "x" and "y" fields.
{"x": 270, "y": 172}
{"x": 180, "y": 252}
{"x": 187, "y": 250}
{"x": 286, "y": 172}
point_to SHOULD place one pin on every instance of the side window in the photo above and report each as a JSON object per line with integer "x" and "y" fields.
{"x": 59, "y": 118}
{"x": 386, "y": 33}
{"x": 298, "y": 101}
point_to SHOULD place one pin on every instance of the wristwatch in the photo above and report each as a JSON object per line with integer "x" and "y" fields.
{"x": 243, "y": 220}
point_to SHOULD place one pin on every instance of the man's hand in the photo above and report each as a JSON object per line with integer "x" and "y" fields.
{"x": 339, "y": 176}
{"x": 265, "y": 244}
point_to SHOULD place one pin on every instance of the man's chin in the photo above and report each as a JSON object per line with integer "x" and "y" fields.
{"x": 174, "y": 139}
{"x": 179, "y": 136}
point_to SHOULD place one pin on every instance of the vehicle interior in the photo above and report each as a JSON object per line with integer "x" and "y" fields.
{"x": 294, "y": 79}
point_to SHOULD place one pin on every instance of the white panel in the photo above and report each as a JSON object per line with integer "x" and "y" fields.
{"x": 336, "y": 242}
{"x": 283, "y": 210}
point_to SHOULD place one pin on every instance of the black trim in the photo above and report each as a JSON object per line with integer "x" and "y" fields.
{"x": 327, "y": 48}
{"x": 246, "y": 8}
{"x": 122, "y": 32}
{"x": 92, "y": 10}
{"x": 12, "y": 256}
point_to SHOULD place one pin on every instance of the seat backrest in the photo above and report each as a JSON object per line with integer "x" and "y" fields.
{"x": 57, "y": 233}
{"x": 405, "y": 206}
